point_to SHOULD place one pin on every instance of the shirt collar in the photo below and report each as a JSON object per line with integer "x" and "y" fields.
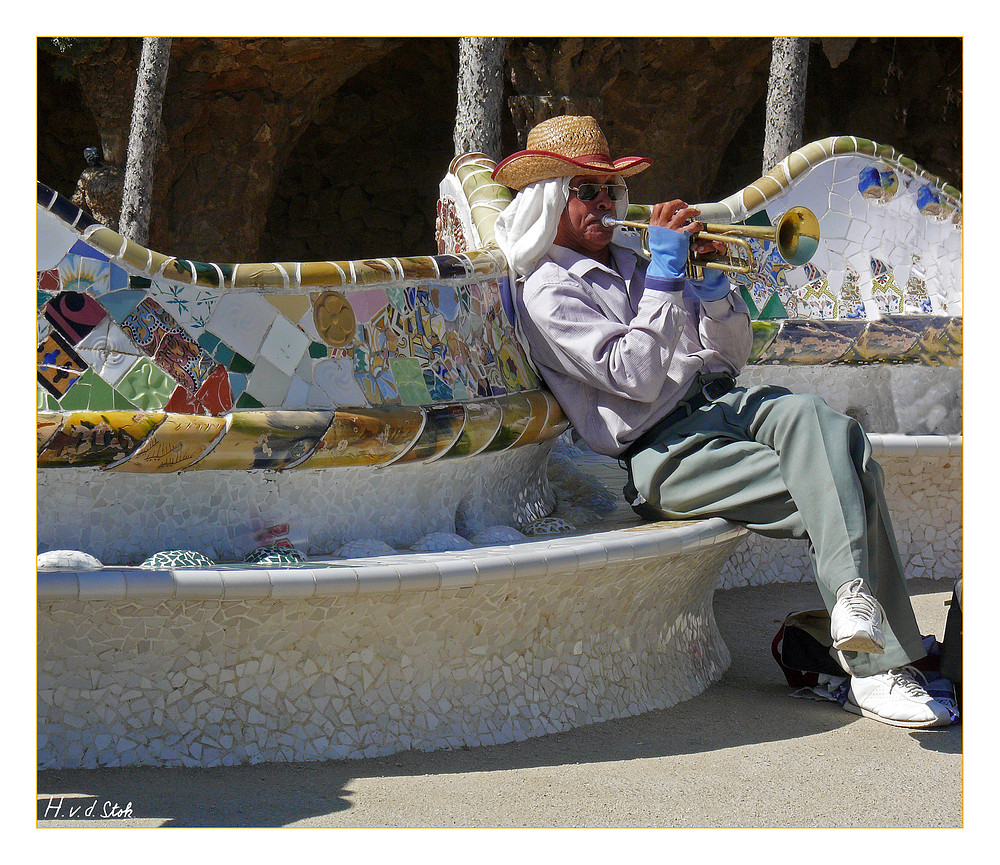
{"x": 579, "y": 265}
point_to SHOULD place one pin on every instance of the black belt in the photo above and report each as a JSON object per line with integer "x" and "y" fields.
{"x": 705, "y": 389}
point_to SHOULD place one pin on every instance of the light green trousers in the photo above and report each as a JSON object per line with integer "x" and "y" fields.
{"x": 788, "y": 466}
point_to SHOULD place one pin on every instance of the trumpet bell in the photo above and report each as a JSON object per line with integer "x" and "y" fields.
{"x": 797, "y": 235}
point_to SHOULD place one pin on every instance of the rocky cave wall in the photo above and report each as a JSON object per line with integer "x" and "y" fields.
{"x": 303, "y": 149}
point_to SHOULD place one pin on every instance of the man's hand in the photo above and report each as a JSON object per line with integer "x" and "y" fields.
{"x": 680, "y": 216}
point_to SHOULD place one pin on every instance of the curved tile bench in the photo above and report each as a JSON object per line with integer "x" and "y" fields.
{"x": 199, "y": 407}
{"x": 365, "y": 657}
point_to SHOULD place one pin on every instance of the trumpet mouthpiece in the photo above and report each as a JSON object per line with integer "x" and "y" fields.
{"x": 608, "y": 221}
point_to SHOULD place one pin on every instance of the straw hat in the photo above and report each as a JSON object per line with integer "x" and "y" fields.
{"x": 564, "y": 147}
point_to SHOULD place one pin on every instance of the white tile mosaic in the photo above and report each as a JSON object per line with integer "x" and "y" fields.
{"x": 295, "y": 684}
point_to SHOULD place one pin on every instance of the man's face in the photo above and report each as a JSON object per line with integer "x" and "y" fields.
{"x": 580, "y": 226}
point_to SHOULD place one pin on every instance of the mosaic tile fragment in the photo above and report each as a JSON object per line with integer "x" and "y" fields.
{"x": 368, "y": 437}
{"x": 268, "y": 439}
{"x": 146, "y": 386}
{"x": 59, "y": 366}
{"x": 93, "y": 438}
{"x": 175, "y": 444}
{"x": 442, "y": 427}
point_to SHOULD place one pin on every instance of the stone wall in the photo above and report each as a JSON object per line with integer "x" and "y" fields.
{"x": 291, "y": 149}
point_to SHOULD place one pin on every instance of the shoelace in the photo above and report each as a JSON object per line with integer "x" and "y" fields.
{"x": 907, "y": 679}
{"x": 859, "y": 605}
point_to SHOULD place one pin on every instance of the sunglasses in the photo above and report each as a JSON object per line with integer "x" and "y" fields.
{"x": 590, "y": 191}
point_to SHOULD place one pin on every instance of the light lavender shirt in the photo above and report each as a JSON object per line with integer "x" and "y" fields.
{"x": 616, "y": 354}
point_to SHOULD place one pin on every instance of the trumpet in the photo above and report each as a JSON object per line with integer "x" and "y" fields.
{"x": 795, "y": 234}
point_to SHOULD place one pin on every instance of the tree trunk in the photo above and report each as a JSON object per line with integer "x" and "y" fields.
{"x": 137, "y": 197}
{"x": 786, "y": 99}
{"x": 480, "y": 95}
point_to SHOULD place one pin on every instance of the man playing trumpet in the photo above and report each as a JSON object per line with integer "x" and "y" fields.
{"x": 643, "y": 361}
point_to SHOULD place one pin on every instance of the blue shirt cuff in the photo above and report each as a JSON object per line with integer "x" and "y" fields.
{"x": 664, "y": 283}
{"x": 714, "y": 286}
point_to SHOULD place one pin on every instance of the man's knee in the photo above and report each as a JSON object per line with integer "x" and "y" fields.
{"x": 796, "y": 407}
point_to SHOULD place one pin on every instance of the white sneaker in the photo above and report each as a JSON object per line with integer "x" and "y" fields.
{"x": 856, "y": 620}
{"x": 896, "y": 698}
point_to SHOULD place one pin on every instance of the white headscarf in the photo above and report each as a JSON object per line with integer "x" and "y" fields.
{"x": 527, "y": 227}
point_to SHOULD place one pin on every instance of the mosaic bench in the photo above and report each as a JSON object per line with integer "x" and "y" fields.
{"x": 297, "y": 511}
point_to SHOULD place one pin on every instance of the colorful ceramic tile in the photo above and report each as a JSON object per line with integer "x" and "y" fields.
{"x": 167, "y": 560}
{"x": 189, "y": 305}
{"x": 376, "y": 270}
{"x": 931, "y": 204}
{"x": 298, "y": 394}
{"x": 47, "y": 425}
{"x": 74, "y": 314}
{"x": 516, "y": 419}
{"x": 442, "y": 428}
{"x": 883, "y": 341}
{"x": 246, "y": 402}
{"x": 93, "y": 393}
{"x": 59, "y": 366}
{"x": 184, "y": 360}
{"x": 291, "y": 306}
{"x": 417, "y": 267}
{"x": 334, "y": 319}
{"x": 368, "y": 303}
{"x": 452, "y": 266}
{"x": 44, "y": 401}
{"x": 79, "y": 273}
{"x": 177, "y": 443}
{"x": 122, "y": 303}
{"x": 237, "y": 384}
{"x": 146, "y": 385}
{"x": 439, "y": 389}
{"x": 324, "y": 273}
{"x": 147, "y": 324}
{"x": 218, "y": 350}
{"x": 538, "y": 413}
{"x": 764, "y": 333}
{"x": 940, "y": 341}
{"x": 556, "y": 423}
{"x": 885, "y": 292}
{"x": 216, "y": 392}
{"x": 274, "y": 555}
{"x": 482, "y": 423}
{"x": 268, "y": 439}
{"x": 806, "y": 341}
{"x": 91, "y": 438}
{"x": 183, "y": 402}
{"x": 915, "y": 297}
{"x": 47, "y": 282}
{"x": 368, "y": 437}
{"x": 878, "y": 183}
{"x": 374, "y": 376}
{"x": 408, "y": 376}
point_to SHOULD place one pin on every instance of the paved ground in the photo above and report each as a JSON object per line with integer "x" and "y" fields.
{"x": 742, "y": 754}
